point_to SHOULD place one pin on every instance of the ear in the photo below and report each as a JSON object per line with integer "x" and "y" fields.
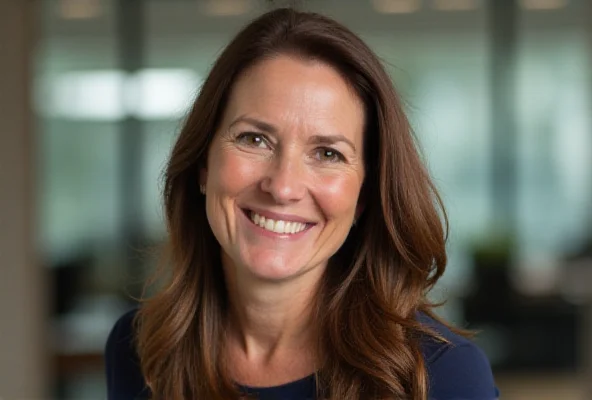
{"x": 203, "y": 179}
{"x": 203, "y": 175}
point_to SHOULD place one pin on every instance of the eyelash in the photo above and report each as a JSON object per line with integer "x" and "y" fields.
{"x": 243, "y": 137}
{"x": 338, "y": 155}
{"x": 251, "y": 135}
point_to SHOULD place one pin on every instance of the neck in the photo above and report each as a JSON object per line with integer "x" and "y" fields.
{"x": 271, "y": 319}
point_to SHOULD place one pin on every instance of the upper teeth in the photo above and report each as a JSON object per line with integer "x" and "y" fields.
{"x": 277, "y": 226}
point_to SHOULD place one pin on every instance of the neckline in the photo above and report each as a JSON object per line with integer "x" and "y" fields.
{"x": 303, "y": 386}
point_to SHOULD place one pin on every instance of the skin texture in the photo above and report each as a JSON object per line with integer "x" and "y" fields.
{"x": 290, "y": 143}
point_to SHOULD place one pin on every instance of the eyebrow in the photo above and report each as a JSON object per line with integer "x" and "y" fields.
{"x": 317, "y": 139}
{"x": 332, "y": 139}
{"x": 264, "y": 126}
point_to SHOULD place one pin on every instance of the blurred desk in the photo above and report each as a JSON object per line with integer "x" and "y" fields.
{"x": 528, "y": 334}
{"x": 79, "y": 339}
{"x": 530, "y": 386}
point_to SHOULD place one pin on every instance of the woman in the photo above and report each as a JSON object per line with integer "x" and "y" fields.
{"x": 304, "y": 235}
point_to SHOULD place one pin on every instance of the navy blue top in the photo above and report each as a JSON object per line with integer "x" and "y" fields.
{"x": 457, "y": 371}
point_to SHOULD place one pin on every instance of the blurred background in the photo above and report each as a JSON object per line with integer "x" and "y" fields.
{"x": 92, "y": 94}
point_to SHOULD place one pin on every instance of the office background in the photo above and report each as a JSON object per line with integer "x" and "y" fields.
{"x": 92, "y": 94}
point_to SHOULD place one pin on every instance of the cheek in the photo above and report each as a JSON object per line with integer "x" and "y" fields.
{"x": 338, "y": 195}
{"x": 231, "y": 172}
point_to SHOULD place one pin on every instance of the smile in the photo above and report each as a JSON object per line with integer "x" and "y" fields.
{"x": 277, "y": 226}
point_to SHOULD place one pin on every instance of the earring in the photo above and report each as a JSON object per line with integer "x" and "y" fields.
{"x": 202, "y": 189}
{"x": 355, "y": 221}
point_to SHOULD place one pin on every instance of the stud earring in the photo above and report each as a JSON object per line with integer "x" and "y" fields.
{"x": 202, "y": 189}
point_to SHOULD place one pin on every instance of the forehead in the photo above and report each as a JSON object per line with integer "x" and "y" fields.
{"x": 291, "y": 91}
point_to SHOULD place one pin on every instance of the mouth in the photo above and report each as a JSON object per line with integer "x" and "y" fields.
{"x": 283, "y": 227}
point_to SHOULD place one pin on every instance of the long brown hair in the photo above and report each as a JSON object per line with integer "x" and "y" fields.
{"x": 374, "y": 286}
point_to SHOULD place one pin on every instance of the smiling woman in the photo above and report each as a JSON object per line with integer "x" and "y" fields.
{"x": 304, "y": 237}
{"x": 281, "y": 162}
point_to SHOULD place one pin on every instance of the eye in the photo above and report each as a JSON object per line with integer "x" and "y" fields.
{"x": 252, "y": 139}
{"x": 327, "y": 154}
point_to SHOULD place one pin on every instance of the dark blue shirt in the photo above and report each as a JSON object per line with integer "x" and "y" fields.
{"x": 457, "y": 371}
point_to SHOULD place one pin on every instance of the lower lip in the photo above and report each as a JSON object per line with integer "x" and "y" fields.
{"x": 275, "y": 235}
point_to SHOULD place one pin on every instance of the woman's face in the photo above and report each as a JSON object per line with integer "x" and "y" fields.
{"x": 285, "y": 169}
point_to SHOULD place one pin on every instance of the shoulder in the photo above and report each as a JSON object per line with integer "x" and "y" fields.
{"x": 124, "y": 376}
{"x": 458, "y": 369}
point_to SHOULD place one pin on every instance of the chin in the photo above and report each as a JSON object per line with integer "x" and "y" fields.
{"x": 270, "y": 264}
{"x": 274, "y": 270}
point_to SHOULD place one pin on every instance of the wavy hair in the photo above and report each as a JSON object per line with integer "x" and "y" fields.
{"x": 369, "y": 342}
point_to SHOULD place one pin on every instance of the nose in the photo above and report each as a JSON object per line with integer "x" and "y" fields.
{"x": 285, "y": 180}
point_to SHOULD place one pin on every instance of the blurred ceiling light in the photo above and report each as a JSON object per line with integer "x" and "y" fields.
{"x": 90, "y": 95}
{"x": 79, "y": 9}
{"x": 161, "y": 93}
{"x": 111, "y": 95}
{"x": 454, "y": 5}
{"x": 396, "y": 6}
{"x": 225, "y": 8}
{"x": 543, "y": 4}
